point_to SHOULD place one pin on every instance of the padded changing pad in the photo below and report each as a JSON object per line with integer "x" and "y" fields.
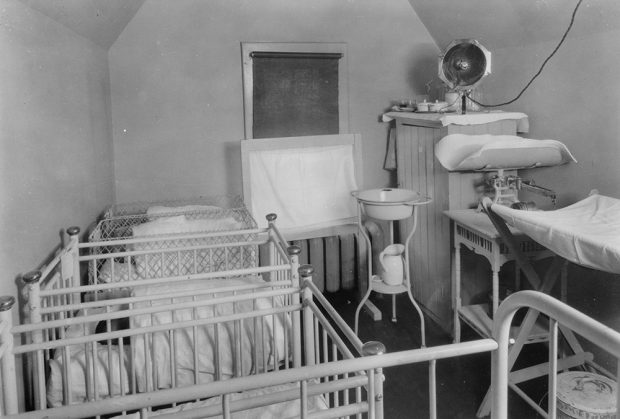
{"x": 586, "y": 233}
{"x": 461, "y": 152}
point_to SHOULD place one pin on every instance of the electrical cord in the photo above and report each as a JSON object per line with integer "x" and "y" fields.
{"x": 570, "y": 25}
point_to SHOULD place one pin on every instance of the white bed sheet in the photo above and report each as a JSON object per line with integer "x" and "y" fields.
{"x": 266, "y": 340}
{"x": 105, "y": 387}
{"x": 586, "y": 233}
{"x": 271, "y": 332}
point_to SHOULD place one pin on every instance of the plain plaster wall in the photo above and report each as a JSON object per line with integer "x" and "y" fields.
{"x": 575, "y": 100}
{"x": 176, "y": 77}
{"x": 56, "y": 148}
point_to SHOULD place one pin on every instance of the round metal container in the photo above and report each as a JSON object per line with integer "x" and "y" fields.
{"x": 389, "y": 203}
{"x": 586, "y": 395}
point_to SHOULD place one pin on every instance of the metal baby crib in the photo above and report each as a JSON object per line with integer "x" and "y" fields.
{"x": 558, "y": 312}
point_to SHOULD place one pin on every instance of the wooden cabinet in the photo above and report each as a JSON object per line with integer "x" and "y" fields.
{"x": 419, "y": 169}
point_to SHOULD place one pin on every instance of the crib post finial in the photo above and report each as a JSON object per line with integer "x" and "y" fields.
{"x": 72, "y": 231}
{"x": 373, "y": 347}
{"x": 293, "y": 250}
{"x": 31, "y": 277}
{"x": 306, "y": 271}
{"x": 6, "y": 302}
{"x": 271, "y": 217}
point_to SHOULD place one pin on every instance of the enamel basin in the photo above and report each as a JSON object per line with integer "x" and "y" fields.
{"x": 389, "y": 203}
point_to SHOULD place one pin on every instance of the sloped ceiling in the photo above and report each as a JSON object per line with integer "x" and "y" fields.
{"x": 509, "y": 23}
{"x": 101, "y": 21}
{"x": 495, "y": 23}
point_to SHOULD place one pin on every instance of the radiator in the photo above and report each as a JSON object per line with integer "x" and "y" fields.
{"x": 339, "y": 261}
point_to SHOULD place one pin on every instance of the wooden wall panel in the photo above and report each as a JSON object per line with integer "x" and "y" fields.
{"x": 419, "y": 170}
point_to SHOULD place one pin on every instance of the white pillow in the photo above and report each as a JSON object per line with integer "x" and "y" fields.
{"x": 461, "y": 152}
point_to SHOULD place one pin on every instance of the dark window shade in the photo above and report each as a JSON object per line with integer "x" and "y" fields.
{"x": 295, "y": 94}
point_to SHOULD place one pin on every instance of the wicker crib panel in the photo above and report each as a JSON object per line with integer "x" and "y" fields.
{"x": 178, "y": 254}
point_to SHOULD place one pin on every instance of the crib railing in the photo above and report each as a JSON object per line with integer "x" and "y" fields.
{"x": 345, "y": 389}
{"x": 55, "y": 316}
{"x": 57, "y": 302}
{"x": 307, "y": 375}
{"x": 187, "y": 307}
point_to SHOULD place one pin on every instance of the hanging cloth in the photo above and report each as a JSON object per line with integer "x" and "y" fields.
{"x": 390, "y": 152}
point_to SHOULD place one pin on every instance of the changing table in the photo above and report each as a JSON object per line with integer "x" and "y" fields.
{"x": 474, "y": 230}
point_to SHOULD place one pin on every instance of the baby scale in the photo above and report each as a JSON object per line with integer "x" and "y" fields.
{"x": 390, "y": 204}
{"x": 462, "y": 66}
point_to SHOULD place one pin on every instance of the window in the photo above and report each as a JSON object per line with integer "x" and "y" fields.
{"x": 294, "y": 89}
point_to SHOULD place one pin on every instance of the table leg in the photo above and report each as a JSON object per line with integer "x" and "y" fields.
{"x": 495, "y": 288}
{"x": 456, "y": 277}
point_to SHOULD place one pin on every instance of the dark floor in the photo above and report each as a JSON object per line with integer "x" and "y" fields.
{"x": 461, "y": 382}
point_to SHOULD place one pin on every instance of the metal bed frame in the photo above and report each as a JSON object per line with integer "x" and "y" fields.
{"x": 569, "y": 326}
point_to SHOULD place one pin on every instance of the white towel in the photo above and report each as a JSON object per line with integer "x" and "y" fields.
{"x": 477, "y": 118}
{"x": 461, "y": 152}
{"x": 307, "y": 188}
{"x": 472, "y": 118}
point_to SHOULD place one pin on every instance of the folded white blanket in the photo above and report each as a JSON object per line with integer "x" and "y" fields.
{"x": 461, "y": 152}
{"x": 181, "y": 224}
{"x": 477, "y": 118}
{"x": 158, "y": 210}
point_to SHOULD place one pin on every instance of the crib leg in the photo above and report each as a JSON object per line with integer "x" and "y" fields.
{"x": 394, "y": 308}
{"x": 9, "y": 377}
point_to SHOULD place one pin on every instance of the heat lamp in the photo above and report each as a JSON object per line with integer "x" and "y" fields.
{"x": 463, "y": 65}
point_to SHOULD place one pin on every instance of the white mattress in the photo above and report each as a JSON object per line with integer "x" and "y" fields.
{"x": 586, "y": 233}
{"x": 462, "y": 152}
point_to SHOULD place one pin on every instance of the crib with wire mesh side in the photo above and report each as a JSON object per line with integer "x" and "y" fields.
{"x": 174, "y": 222}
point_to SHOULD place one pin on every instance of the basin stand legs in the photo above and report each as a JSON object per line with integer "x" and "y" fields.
{"x": 376, "y": 281}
